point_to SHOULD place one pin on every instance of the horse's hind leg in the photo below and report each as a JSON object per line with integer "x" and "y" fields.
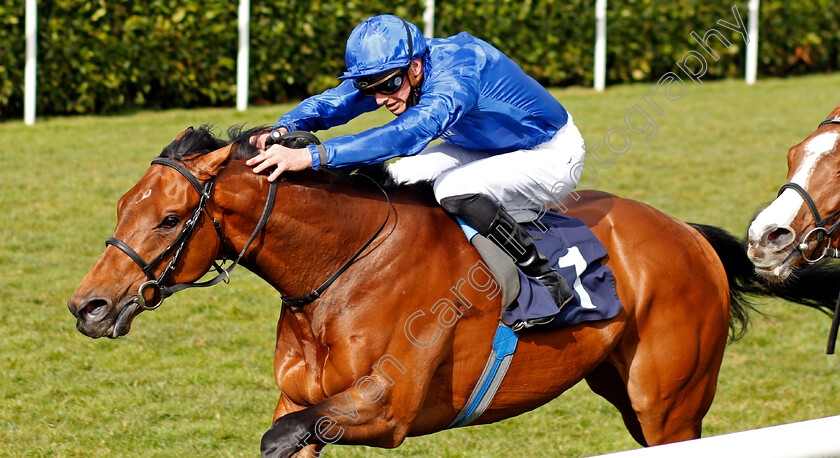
{"x": 672, "y": 375}
{"x": 606, "y": 382}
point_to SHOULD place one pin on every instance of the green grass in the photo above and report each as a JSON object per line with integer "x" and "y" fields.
{"x": 195, "y": 377}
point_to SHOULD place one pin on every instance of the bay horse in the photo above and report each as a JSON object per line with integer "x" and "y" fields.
{"x": 347, "y": 371}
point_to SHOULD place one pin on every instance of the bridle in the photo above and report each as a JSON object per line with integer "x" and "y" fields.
{"x": 223, "y": 274}
{"x": 822, "y": 231}
{"x": 163, "y": 291}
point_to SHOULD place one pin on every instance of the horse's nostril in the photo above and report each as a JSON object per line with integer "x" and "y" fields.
{"x": 779, "y": 236}
{"x": 93, "y": 307}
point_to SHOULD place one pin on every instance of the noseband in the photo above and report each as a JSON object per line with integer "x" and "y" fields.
{"x": 821, "y": 230}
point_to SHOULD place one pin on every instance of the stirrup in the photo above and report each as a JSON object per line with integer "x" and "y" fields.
{"x": 533, "y": 323}
{"x": 558, "y": 287}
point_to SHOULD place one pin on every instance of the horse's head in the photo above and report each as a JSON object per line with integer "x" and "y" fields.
{"x": 798, "y": 226}
{"x": 164, "y": 236}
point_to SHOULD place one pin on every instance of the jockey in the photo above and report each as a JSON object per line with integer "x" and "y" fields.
{"x": 507, "y": 144}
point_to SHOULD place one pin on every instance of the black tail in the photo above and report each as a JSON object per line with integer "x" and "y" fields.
{"x": 813, "y": 286}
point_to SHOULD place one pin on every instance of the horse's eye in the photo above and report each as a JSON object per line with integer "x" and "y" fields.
{"x": 169, "y": 222}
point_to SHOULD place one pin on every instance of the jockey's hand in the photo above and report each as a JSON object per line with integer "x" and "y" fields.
{"x": 286, "y": 159}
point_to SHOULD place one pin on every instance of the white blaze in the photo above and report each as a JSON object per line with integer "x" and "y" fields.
{"x": 784, "y": 209}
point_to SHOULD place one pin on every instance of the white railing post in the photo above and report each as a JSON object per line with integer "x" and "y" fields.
{"x": 242, "y": 56}
{"x": 429, "y": 19}
{"x": 752, "y": 46}
{"x": 30, "y": 69}
{"x": 600, "y": 44}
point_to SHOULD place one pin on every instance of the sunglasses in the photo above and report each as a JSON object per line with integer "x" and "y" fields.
{"x": 378, "y": 84}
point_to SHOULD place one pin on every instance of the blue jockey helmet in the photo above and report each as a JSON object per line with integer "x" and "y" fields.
{"x": 382, "y": 43}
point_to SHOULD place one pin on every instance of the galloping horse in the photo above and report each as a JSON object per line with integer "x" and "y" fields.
{"x": 347, "y": 371}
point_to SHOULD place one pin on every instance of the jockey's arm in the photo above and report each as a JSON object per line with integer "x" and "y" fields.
{"x": 444, "y": 101}
{"x": 330, "y": 108}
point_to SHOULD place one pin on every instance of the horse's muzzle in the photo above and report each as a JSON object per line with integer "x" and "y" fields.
{"x": 97, "y": 317}
{"x": 771, "y": 249}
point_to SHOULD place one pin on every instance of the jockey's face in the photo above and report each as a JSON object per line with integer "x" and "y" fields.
{"x": 396, "y": 102}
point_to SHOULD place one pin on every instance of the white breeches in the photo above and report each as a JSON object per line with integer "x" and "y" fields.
{"x": 519, "y": 180}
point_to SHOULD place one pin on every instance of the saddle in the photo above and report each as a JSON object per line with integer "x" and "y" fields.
{"x": 576, "y": 254}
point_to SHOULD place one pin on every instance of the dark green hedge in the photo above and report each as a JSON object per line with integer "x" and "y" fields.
{"x": 106, "y": 56}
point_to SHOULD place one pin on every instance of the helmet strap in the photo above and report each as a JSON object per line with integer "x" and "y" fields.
{"x": 413, "y": 97}
{"x": 415, "y": 81}
{"x": 416, "y": 84}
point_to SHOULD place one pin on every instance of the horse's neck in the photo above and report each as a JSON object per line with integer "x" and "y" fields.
{"x": 314, "y": 228}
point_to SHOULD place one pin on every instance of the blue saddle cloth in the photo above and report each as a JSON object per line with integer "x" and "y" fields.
{"x": 576, "y": 254}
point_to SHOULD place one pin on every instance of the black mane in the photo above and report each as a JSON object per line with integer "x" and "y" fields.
{"x": 196, "y": 142}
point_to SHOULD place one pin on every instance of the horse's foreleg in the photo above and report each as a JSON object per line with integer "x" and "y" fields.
{"x": 285, "y": 406}
{"x": 352, "y": 416}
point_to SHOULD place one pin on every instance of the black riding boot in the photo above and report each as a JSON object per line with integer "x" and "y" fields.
{"x": 492, "y": 221}
{"x": 518, "y": 243}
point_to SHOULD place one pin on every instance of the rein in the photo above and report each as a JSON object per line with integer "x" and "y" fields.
{"x": 316, "y": 293}
{"x": 822, "y": 232}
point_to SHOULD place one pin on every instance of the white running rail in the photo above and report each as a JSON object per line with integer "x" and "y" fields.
{"x": 811, "y": 438}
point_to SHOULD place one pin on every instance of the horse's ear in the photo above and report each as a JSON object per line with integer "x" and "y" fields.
{"x": 188, "y": 130}
{"x": 209, "y": 165}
